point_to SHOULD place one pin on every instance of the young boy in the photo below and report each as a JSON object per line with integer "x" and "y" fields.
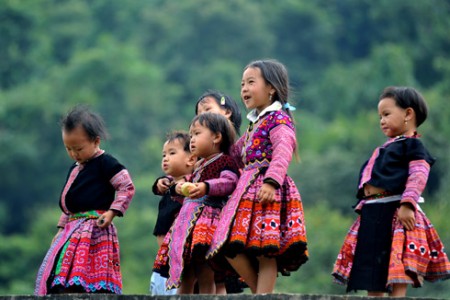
{"x": 177, "y": 162}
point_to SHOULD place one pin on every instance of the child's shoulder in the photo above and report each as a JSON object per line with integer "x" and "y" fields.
{"x": 413, "y": 148}
{"x": 109, "y": 163}
{"x": 229, "y": 162}
{"x": 107, "y": 158}
{"x": 227, "y": 157}
{"x": 408, "y": 142}
{"x": 279, "y": 117}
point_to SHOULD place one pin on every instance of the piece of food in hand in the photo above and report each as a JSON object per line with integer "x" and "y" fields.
{"x": 186, "y": 188}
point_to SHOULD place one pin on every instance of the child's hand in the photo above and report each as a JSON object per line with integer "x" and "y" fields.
{"x": 178, "y": 188}
{"x": 105, "y": 220}
{"x": 163, "y": 184}
{"x": 406, "y": 216}
{"x": 266, "y": 193}
{"x": 198, "y": 191}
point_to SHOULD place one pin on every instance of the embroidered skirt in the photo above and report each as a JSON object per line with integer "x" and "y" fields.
{"x": 187, "y": 241}
{"x": 372, "y": 260}
{"x": 83, "y": 255}
{"x": 276, "y": 229}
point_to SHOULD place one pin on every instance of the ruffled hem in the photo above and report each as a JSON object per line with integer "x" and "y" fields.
{"x": 89, "y": 288}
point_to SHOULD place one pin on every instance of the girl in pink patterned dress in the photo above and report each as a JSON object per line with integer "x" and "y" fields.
{"x": 84, "y": 254}
{"x": 262, "y": 229}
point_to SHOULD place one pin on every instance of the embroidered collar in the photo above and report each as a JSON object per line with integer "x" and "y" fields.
{"x": 253, "y": 117}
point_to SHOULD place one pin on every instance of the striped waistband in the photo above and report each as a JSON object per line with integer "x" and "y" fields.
{"x": 388, "y": 199}
{"x": 384, "y": 199}
{"x": 91, "y": 214}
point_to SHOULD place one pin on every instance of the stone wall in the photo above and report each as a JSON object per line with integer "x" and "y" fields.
{"x": 198, "y": 297}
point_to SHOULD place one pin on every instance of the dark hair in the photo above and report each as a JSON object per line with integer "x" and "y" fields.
{"x": 275, "y": 74}
{"x": 92, "y": 123}
{"x": 228, "y": 104}
{"x": 406, "y": 97}
{"x": 217, "y": 123}
{"x": 181, "y": 136}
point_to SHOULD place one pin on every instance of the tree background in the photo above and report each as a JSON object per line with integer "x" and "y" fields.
{"x": 142, "y": 64}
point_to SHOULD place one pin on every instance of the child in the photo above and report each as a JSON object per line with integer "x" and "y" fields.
{"x": 392, "y": 243}
{"x": 182, "y": 255}
{"x": 84, "y": 255}
{"x": 177, "y": 162}
{"x": 216, "y": 102}
{"x": 262, "y": 227}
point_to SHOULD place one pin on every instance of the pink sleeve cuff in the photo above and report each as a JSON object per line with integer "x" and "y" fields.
{"x": 224, "y": 185}
{"x": 124, "y": 187}
{"x": 416, "y": 182}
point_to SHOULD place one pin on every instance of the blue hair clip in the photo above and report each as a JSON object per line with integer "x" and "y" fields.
{"x": 288, "y": 106}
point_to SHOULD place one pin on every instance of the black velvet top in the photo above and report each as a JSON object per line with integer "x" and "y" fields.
{"x": 167, "y": 211}
{"x": 391, "y": 166}
{"x": 92, "y": 189}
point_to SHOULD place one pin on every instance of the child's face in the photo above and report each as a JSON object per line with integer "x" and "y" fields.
{"x": 78, "y": 145}
{"x": 209, "y": 104}
{"x": 203, "y": 141}
{"x": 393, "y": 117}
{"x": 175, "y": 161}
{"x": 254, "y": 90}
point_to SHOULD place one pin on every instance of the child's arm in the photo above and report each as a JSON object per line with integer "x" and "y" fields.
{"x": 124, "y": 187}
{"x": 416, "y": 182}
{"x": 161, "y": 185}
{"x": 222, "y": 186}
{"x": 283, "y": 145}
{"x": 415, "y": 185}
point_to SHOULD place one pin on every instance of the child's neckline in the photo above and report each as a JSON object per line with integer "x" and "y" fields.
{"x": 96, "y": 154}
{"x": 402, "y": 137}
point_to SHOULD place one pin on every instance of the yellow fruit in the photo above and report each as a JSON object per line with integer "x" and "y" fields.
{"x": 186, "y": 188}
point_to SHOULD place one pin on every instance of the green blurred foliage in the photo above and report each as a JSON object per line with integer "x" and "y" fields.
{"x": 142, "y": 65}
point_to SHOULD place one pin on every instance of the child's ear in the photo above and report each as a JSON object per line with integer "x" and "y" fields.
{"x": 97, "y": 141}
{"x": 272, "y": 90}
{"x": 410, "y": 114}
{"x": 228, "y": 114}
{"x": 191, "y": 160}
{"x": 218, "y": 138}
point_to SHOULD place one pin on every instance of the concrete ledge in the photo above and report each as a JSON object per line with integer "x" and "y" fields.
{"x": 198, "y": 297}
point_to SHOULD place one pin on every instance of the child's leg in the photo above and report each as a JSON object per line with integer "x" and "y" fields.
{"x": 159, "y": 240}
{"x": 205, "y": 279}
{"x": 398, "y": 290}
{"x": 188, "y": 281}
{"x": 267, "y": 275}
{"x": 221, "y": 289}
{"x": 243, "y": 267}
